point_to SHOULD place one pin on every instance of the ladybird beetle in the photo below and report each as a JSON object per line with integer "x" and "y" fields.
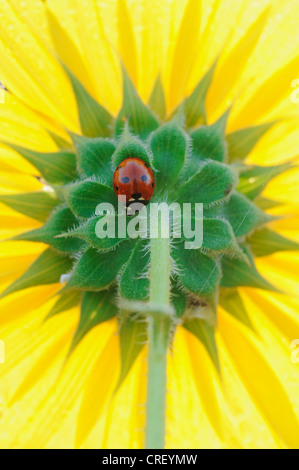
{"x": 134, "y": 179}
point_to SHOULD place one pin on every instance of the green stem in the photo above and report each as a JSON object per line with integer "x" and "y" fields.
{"x": 159, "y": 325}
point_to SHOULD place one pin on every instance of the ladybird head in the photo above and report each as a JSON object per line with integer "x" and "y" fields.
{"x": 134, "y": 179}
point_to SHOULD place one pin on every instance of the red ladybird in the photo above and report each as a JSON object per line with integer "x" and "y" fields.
{"x": 134, "y": 179}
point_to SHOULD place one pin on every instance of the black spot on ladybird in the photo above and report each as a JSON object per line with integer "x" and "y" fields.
{"x": 125, "y": 179}
{"x": 144, "y": 178}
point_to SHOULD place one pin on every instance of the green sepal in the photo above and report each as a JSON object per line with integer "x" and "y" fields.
{"x": 140, "y": 119}
{"x": 208, "y": 142}
{"x": 253, "y": 181}
{"x": 38, "y": 205}
{"x": 134, "y": 284}
{"x": 133, "y": 337}
{"x": 178, "y": 117}
{"x": 96, "y": 308}
{"x": 236, "y": 272}
{"x": 46, "y": 269}
{"x": 94, "y": 119}
{"x": 264, "y": 242}
{"x": 65, "y": 302}
{"x": 265, "y": 203}
{"x": 218, "y": 236}
{"x": 232, "y": 303}
{"x": 195, "y": 109}
{"x": 241, "y": 142}
{"x": 169, "y": 147}
{"x": 88, "y": 233}
{"x": 129, "y": 147}
{"x": 240, "y": 212}
{"x": 61, "y": 143}
{"x": 206, "y": 335}
{"x": 55, "y": 167}
{"x": 84, "y": 197}
{"x": 94, "y": 156}
{"x": 212, "y": 183}
{"x": 60, "y": 221}
{"x": 178, "y": 299}
{"x": 157, "y": 99}
{"x": 96, "y": 270}
{"x": 199, "y": 273}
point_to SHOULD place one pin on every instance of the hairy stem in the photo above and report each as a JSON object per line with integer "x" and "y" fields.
{"x": 159, "y": 324}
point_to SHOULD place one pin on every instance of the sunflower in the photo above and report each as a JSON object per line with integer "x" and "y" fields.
{"x": 132, "y": 343}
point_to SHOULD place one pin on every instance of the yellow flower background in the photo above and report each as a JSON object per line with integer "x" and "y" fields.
{"x": 45, "y": 403}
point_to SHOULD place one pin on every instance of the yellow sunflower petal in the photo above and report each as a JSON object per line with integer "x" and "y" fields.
{"x": 126, "y": 41}
{"x": 184, "y": 52}
{"x": 100, "y": 55}
{"x": 39, "y": 82}
{"x": 260, "y": 380}
{"x": 205, "y": 381}
{"x": 99, "y": 388}
{"x": 231, "y": 67}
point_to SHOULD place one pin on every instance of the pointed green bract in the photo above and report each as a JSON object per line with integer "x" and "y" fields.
{"x": 169, "y": 147}
{"x": 141, "y": 121}
{"x": 96, "y": 271}
{"x": 56, "y": 168}
{"x": 264, "y": 242}
{"x": 241, "y": 142}
{"x": 232, "y": 303}
{"x": 129, "y": 147}
{"x": 240, "y": 212}
{"x": 134, "y": 283}
{"x": 208, "y": 142}
{"x": 46, "y": 269}
{"x": 178, "y": 117}
{"x": 65, "y": 302}
{"x": 61, "y": 143}
{"x": 199, "y": 273}
{"x": 89, "y": 232}
{"x": 133, "y": 337}
{"x": 60, "y": 221}
{"x": 95, "y": 120}
{"x": 255, "y": 179}
{"x": 38, "y": 205}
{"x": 265, "y": 203}
{"x": 130, "y": 150}
{"x": 236, "y": 273}
{"x": 206, "y": 335}
{"x": 94, "y": 156}
{"x": 195, "y": 104}
{"x": 84, "y": 197}
{"x": 213, "y": 183}
{"x": 218, "y": 236}
{"x": 157, "y": 99}
{"x": 96, "y": 308}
